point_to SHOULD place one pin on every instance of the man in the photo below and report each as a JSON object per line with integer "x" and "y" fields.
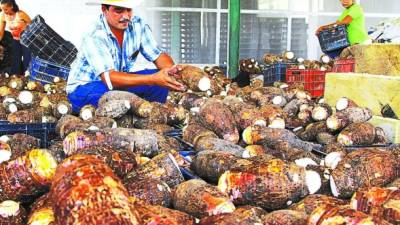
{"x": 107, "y": 57}
{"x": 353, "y": 18}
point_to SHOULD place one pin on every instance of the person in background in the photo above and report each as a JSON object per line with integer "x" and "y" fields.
{"x": 6, "y": 53}
{"x": 15, "y": 20}
{"x": 108, "y": 54}
{"x": 353, "y": 18}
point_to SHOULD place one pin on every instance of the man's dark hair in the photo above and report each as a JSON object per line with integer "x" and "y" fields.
{"x": 107, "y": 6}
{"x": 12, "y": 3}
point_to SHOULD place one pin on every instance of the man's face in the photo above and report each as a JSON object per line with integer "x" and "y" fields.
{"x": 117, "y": 17}
{"x": 346, "y": 3}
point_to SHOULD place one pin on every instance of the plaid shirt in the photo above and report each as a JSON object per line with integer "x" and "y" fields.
{"x": 100, "y": 52}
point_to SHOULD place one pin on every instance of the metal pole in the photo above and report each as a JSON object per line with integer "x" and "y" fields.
{"x": 176, "y": 33}
{"x": 234, "y": 37}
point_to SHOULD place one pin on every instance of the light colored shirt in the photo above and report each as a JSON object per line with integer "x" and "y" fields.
{"x": 16, "y": 23}
{"x": 100, "y": 51}
{"x": 356, "y": 32}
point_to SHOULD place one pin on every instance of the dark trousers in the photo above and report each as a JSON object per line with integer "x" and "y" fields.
{"x": 335, "y": 53}
{"x": 90, "y": 93}
{"x": 21, "y": 59}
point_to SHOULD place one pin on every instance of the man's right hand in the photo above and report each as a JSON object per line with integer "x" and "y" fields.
{"x": 162, "y": 78}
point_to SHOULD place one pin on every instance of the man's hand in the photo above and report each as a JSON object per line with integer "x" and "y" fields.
{"x": 162, "y": 78}
{"x": 173, "y": 71}
{"x": 319, "y": 30}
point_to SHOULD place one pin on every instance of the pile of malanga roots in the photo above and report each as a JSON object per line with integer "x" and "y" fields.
{"x": 262, "y": 155}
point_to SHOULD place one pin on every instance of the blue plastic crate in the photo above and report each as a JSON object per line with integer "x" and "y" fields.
{"x": 45, "y": 71}
{"x": 276, "y": 72}
{"x": 333, "y": 38}
{"x": 45, "y": 132}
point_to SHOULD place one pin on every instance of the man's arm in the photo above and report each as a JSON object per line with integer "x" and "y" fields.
{"x": 124, "y": 80}
{"x": 164, "y": 61}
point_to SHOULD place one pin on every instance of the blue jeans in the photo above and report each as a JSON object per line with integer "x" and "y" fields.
{"x": 90, "y": 93}
{"x": 21, "y": 59}
{"x": 335, "y": 53}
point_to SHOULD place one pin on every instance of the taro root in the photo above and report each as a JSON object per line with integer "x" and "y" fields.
{"x": 321, "y": 112}
{"x": 357, "y": 134}
{"x": 5, "y": 152}
{"x": 27, "y": 175}
{"x": 285, "y": 217}
{"x": 257, "y": 135}
{"x": 363, "y": 168}
{"x": 194, "y": 79}
{"x": 42, "y": 212}
{"x": 344, "y": 215}
{"x": 166, "y": 114}
{"x": 139, "y": 106}
{"x": 34, "y": 86}
{"x": 200, "y": 199}
{"x": 342, "y": 119}
{"x": 311, "y": 202}
{"x": 344, "y": 103}
{"x": 395, "y": 183}
{"x": 216, "y": 144}
{"x": 191, "y": 100}
{"x": 149, "y": 190}
{"x": 312, "y": 130}
{"x": 121, "y": 162}
{"x": 195, "y": 130}
{"x": 245, "y": 215}
{"x": 24, "y": 116}
{"x": 67, "y": 119}
{"x": 378, "y": 202}
{"x": 274, "y": 116}
{"x": 163, "y": 167}
{"x": 87, "y": 112}
{"x": 12, "y": 213}
{"x": 86, "y": 191}
{"x": 210, "y": 165}
{"x": 21, "y": 143}
{"x": 144, "y": 142}
{"x": 218, "y": 118}
{"x": 62, "y": 108}
{"x": 158, "y": 215}
{"x": 271, "y": 184}
{"x": 113, "y": 109}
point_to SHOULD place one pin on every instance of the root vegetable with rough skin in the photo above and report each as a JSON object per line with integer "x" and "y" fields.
{"x": 311, "y": 202}
{"x": 98, "y": 123}
{"x": 283, "y": 150}
{"x": 321, "y": 112}
{"x": 325, "y": 138}
{"x": 245, "y": 215}
{"x": 248, "y": 116}
{"x": 121, "y": 162}
{"x": 190, "y": 100}
{"x": 344, "y": 103}
{"x": 167, "y": 114}
{"x": 220, "y": 145}
{"x": 28, "y": 99}
{"x": 139, "y": 106}
{"x": 56, "y": 148}
{"x": 113, "y": 109}
{"x": 144, "y": 142}
{"x": 312, "y": 130}
{"x": 200, "y": 199}
{"x": 24, "y": 116}
{"x": 42, "y": 212}
{"x": 194, "y": 78}
{"x": 16, "y": 82}
{"x": 87, "y": 112}
{"x": 218, "y": 118}
{"x": 12, "y": 213}
{"x": 163, "y": 167}
{"x": 149, "y": 190}
{"x": 271, "y": 184}
{"x": 158, "y": 215}
{"x": 357, "y": 134}
{"x": 257, "y": 134}
{"x": 86, "y": 191}
{"x": 126, "y": 121}
{"x": 5, "y": 152}
{"x": 292, "y": 108}
{"x": 285, "y": 217}
{"x": 27, "y": 175}
{"x": 35, "y": 86}
{"x": 66, "y": 120}
{"x": 273, "y": 115}
{"x": 344, "y": 215}
{"x": 381, "y": 137}
{"x": 342, "y": 119}
{"x": 395, "y": 183}
{"x": 378, "y": 202}
{"x": 256, "y": 150}
{"x": 195, "y": 130}
{"x": 363, "y": 168}
{"x": 62, "y": 108}
{"x": 210, "y": 165}
{"x": 22, "y": 143}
